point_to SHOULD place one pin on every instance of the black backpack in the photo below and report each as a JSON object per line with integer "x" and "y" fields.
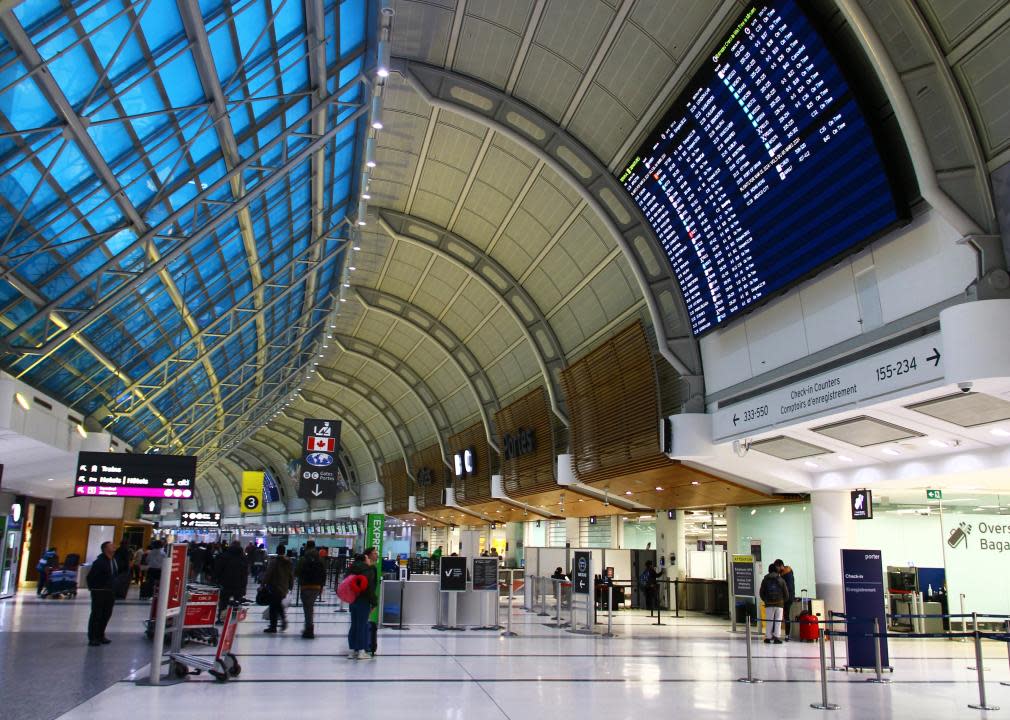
{"x": 773, "y": 590}
{"x": 313, "y": 572}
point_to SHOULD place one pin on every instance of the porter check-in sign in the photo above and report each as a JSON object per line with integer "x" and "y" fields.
{"x": 320, "y": 445}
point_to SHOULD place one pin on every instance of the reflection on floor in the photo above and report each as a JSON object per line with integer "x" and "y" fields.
{"x": 689, "y": 665}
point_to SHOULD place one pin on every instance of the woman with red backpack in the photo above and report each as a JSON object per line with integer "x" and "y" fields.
{"x": 359, "y": 636}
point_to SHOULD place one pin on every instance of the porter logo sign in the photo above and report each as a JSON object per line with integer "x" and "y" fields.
{"x": 521, "y": 442}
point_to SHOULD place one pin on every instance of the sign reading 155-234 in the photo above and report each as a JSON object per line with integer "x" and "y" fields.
{"x": 909, "y": 365}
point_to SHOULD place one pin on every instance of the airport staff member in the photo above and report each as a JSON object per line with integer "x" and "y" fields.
{"x": 102, "y": 584}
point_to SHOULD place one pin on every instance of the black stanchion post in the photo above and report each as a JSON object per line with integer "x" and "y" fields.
{"x": 676, "y": 597}
{"x": 750, "y": 664}
{"x": 659, "y": 608}
{"x": 823, "y": 704}
{"x": 982, "y": 705}
{"x": 1006, "y": 630}
{"x": 879, "y": 679}
{"x": 610, "y": 612}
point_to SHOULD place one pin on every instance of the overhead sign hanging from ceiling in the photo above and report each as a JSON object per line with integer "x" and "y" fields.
{"x": 910, "y": 365}
{"x": 861, "y": 504}
{"x": 319, "y": 479}
{"x": 200, "y": 520}
{"x": 101, "y": 474}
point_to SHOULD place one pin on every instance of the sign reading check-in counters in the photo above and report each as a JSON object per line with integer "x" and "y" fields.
{"x": 906, "y": 366}
{"x": 452, "y": 574}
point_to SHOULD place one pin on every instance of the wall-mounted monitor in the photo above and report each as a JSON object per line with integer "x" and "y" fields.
{"x": 101, "y": 474}
{"x": 764, "y": 170}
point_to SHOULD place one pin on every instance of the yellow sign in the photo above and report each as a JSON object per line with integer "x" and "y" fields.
{"x": 252, "y": 492}
{"x": 743, "y": 558}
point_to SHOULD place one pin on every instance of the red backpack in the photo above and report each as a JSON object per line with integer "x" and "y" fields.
{"x": 350, "y": 587}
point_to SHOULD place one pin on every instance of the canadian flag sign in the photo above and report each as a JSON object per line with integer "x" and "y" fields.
{"x": 320, "y": 444}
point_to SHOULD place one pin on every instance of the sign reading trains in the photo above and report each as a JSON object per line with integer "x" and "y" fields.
{"x": 102, "y": 474}
{"x": 319, "y": 471}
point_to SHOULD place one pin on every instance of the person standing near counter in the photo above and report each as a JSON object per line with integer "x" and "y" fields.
{"x": 359, "y": 636}
{"x": 102, "y": 580}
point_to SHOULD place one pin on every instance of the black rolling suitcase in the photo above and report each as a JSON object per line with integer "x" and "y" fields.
{"x": 146, "y": 589}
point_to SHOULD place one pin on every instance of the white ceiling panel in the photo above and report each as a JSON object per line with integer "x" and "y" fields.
{"x": 421, "y": 29}
{"x": 547, "y": 82}
{"x": 674, "y": 30}
{"x": 555, "y": 32}
{"x": 486, "y": 50}
{"x": 512, "y": 15}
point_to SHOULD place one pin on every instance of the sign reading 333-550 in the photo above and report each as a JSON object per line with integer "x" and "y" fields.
{"x": 319, "y": 468}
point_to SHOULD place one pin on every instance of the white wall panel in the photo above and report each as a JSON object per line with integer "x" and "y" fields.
{"x": 913, "y": 268}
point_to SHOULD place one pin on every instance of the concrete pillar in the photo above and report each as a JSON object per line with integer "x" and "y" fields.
{"x": 833, "y": 530}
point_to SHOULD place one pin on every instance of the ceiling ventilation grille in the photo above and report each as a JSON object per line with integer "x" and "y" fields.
{"x": 965, "y": 409}
{"x": 864, "y": 431}
{"x": 787, "y": 448}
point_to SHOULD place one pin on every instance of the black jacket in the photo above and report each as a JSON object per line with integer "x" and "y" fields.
{"x": 231, "y": 571}
{"x": 371, "y": 593}
{"x": 100, "y": 576}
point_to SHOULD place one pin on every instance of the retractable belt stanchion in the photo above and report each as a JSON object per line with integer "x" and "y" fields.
{"x": 610, "y": 613}
{"x": 1007, "y": 631}
{"x": 543, "y": 597}
{"x": 974, "y": 629}
{"x": 876, "y": 655}
{"x": 831, "y": 638}
{"x": 823, "y": 704}
{"x": 982, "y": 705}
{"x": 750, "y": 659}
{"x": 659, "y": 607}
{"x": 676, "y": 597}
{"x": 557, "y": 603}
{"x": 508, "y": 614}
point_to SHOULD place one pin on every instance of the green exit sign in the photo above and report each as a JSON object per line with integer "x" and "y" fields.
{"x": 934, "y": 495}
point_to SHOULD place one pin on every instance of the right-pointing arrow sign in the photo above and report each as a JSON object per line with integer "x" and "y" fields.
{"x": 934, "y": 358}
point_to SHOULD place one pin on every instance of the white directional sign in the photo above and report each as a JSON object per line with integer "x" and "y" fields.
{"x": 907, "y": 366}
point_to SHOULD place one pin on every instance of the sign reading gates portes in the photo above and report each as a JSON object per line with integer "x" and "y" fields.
{"x": 320, "y": 445}
{"x": 863, "y": 586}
{"x": 200, "y": 520}
{"x": 452, "y": 574}
{"x": 582, "y": 572}
{"x": 485, "y": 573}
{"x": 102, "y": 474}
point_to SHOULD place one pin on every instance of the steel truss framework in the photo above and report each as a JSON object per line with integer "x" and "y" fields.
{"x": 225, "y": 166}
{"x": 551, "y": 143}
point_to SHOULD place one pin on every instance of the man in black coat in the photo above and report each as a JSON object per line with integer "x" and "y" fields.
{"x": 232, "y": 573}
{"x": 102, "y": 584}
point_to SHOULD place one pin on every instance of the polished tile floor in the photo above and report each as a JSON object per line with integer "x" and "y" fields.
{"x": 686, "y": 668}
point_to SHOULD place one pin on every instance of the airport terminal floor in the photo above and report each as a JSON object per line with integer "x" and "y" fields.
{"x": 689, "y": 666}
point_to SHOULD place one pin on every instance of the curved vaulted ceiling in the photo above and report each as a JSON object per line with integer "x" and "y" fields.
{"x": 498, "y": 247}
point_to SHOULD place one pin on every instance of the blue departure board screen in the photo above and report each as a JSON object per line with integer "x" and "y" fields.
{"x": 763, "y": 170}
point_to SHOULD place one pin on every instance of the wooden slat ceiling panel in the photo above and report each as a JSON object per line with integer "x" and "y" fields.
{"x": 532, "y": 472}
{"x": 393, "y": 476}
{"x": 613, "y": 404}
{"x": 476, "y": 488}
{"x": 429, "y": 494}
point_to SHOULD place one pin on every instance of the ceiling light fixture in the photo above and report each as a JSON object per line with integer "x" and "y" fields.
{"x": 384, "y": 54}
{"x": 892, "y": 451}
{"x": 845, "y": 458}
{"x": 753, "y": 511}
{"x": 370, "y": 152}
{"x": 659, "y": 489}
{"x": 695, "y": 482}
{"x": 999, "y": 432}
{"x": 22, "y": 401}
{"x": 811, "y": 464}
{"x": 377, "y": 111}
{"x": 81, "y": 431}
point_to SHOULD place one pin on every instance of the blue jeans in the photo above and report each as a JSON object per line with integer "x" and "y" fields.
{"x": 358, "y": 638}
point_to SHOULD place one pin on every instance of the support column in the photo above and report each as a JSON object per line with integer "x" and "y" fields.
{"x": 833, "y": 530}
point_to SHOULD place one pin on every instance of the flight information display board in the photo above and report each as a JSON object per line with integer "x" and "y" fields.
{"x": 101, "y": 474}
{"x": 763, "y": 170}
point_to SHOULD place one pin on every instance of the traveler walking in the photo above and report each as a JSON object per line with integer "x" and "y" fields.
{"x": 311, "y": 576}
{"x": 774, "y": 594}
{"x": 232, "y": 575}
{"x": 102, "y": 580}
{"x": 136, "y": 565}
{"x": 787, "y": 575}
{"x": 278, "y": 578}
{"x": 359, "y": 636}
{"x": 648, "y": 581}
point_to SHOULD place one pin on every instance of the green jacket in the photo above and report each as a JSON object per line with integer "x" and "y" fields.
{"x": 371, "y": 593}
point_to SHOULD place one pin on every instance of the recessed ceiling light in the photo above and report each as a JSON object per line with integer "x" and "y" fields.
{"x": 892, "y": 451}
{"x": 659, "y": 489}
{"x": 999, "y": 432}
{"x": 811, "y": 464}
{"x": 695, "y": 482}
{"x": 627, "y": 492}
{"x": 844, "y": 458}
{"x": 782, "y": 509}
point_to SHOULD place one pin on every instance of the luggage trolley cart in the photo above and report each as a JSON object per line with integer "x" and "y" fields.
{"x": 198, "y": 622}
{"x": 223, "y": 664}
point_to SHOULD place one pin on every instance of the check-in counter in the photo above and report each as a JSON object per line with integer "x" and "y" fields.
{"x": 420, "y": 603}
